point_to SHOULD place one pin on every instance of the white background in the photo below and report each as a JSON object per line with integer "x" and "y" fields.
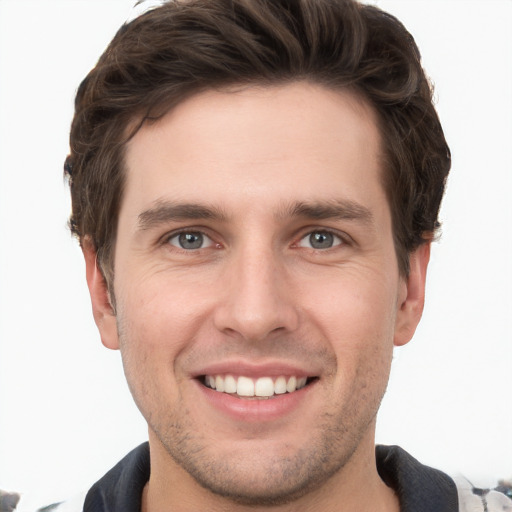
{"x": 66, "y": 415}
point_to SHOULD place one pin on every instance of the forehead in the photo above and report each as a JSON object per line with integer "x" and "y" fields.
{"x": 255, "y": 145}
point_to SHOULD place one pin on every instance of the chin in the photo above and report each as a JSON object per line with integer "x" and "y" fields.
{"x": 262, "y": 473}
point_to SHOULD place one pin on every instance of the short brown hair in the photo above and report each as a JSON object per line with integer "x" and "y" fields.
{"x": 187, "y": 46}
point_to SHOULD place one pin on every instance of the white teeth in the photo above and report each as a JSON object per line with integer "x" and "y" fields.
{"x": 261, "y": 387}
{"x": 301, "y": 382}
{"x": 291, "y": 385}
{"x": 245, "y": 387}
{"x": 219, "y": 383}
{"x": 264, "y": 387}
{"x": 230, "y": 384}
{"x": 280, "y": 386}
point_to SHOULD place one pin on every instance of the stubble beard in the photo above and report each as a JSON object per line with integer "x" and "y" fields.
{"x": 274, "y": 481}
{"x": 257, "y": 479}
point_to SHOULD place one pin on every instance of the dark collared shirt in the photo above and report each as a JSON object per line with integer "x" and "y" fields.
{"x": 419, "y": 488}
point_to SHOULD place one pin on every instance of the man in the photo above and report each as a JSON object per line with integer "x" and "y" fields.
{"x": 255, "y": 187}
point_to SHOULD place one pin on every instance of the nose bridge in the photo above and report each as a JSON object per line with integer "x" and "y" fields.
{"x": 257, "y": 299}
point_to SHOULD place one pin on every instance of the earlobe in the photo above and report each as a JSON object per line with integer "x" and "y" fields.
{"x": 410, "y": 307}
{"x": 103, "y": 312}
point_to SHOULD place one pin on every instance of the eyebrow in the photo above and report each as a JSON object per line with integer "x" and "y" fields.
{"x": 340, "y": 209}
{"x": 164, "y": 211}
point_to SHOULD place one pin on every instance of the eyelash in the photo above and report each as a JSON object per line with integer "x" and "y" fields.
{"x": 177, "y": 234}
{"x": 338, "y": 239}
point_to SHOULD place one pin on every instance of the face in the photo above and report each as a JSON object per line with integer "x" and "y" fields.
{"x": 257, "y": 288}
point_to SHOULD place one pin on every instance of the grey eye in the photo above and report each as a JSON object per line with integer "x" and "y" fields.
{"x": 320, "y": 240}
{"x": 190, "y": 240}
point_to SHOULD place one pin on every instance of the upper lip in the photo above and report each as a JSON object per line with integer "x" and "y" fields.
{"x": 254, "y": 370}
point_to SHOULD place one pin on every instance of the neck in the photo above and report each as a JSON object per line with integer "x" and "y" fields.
{"x": 355, "y": 487}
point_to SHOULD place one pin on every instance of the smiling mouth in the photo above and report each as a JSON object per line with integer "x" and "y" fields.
{"x": 260, "y": 388}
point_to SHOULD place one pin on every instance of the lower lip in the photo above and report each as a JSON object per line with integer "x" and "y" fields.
{"x": 256, "y": 410}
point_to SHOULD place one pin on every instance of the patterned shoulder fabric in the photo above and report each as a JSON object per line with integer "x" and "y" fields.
{"x": 474, "y": 499}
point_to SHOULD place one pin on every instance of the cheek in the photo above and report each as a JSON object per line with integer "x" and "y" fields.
{"x": 149, "y": 346}
{"x": 355, "y": 311}
{"x": 159, "y": 318}
{"x": 163, "y": 306}
{"x": 354, "y": 314}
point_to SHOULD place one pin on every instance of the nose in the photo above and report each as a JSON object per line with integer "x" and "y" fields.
{"x": 256, "y": 300}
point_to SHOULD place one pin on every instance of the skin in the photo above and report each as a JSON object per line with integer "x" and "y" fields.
{"x": 257, "y": 295}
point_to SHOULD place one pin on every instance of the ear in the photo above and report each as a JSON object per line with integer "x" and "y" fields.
{"x": 102, "y": 310}
{"x": 412, "y": 295}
